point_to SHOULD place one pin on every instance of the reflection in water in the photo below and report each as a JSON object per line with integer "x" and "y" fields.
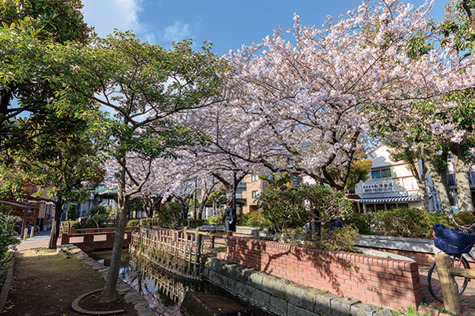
{"x": 163, "y": 291}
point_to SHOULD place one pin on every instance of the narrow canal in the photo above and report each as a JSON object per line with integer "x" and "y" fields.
{"x": 163, "y": 291}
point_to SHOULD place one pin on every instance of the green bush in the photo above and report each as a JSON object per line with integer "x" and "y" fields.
{"x": 214, "y": 219}
{"x": 408, "y": 222}
{"x": 253, "y": 219}
{"x": 285, "y": 209}
{"x": 361, "y": 221}
{"x": 74, "y": 224}
{"x": 7, "y": 232}
{"x": 133, "y": 222}
{"x": 98, "y": 209}
{"x": 72, "y": 213}
{"x": 170, "y": 215}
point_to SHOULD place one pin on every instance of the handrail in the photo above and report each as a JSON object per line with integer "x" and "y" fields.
{"x": 448, "y": 285}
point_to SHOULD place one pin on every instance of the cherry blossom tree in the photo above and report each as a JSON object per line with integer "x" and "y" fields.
{"x": 442, "y": 125}
{"x": 319, "y": 93}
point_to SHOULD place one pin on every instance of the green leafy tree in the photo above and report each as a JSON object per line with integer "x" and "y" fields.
{"x": 146, "y": 87}
{"x": 98, "y": 215}
{"x": 359, "y": 171}
{"x": 72, "y": 212}
{"x": 28, "y": 28}
{"x": 63, "y": 167}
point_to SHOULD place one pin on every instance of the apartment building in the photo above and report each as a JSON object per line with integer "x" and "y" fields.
{"x": 252, "y": 186}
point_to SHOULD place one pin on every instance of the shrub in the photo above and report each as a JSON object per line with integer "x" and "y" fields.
{"x": 330, "y": 204}
{"x": 170, "y": 215}
{"x": 337, "y": 239}
{"x": 72, "y": 213}
{"x": 361, "y": 221}
{"x": 290, "y": 209}
{"x": 284, "y": 208}
{"x": 253, "y": 219}
{"x": 215, "y": 219}
{"x": 407, "y": 222}
{"x": 7, "y": 232}
{"x": 133, "y": 222}
{"x": 98, "y": 209}
{"x": 74, "y": 224}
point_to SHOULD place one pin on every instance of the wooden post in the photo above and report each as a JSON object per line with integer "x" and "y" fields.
{"x": 35, "y": 218}
{"x": 197, "y": 252}
{"x": 228, "y": 234}
{"x": 23, "y": 224}
{"x": 211, "y": 237}
{"x": 447, "y": 283}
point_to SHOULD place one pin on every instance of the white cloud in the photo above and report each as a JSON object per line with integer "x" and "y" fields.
{"x": 107, "y": 15}
{"x": 177, "y": 32}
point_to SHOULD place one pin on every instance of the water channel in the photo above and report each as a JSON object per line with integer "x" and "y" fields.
{"x": 163, "y": 291}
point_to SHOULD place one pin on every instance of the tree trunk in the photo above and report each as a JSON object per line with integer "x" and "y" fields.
{"x": 53, "y": 237}
{"x": 109, "y": 292}
{"x": 462, "y": 170}
{"x": 438, "y": 179}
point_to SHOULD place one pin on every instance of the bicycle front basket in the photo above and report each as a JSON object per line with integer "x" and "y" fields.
{"x": 452, "y": 241}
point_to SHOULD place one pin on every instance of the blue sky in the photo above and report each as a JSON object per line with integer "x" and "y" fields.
{"x": 227, "y": 24}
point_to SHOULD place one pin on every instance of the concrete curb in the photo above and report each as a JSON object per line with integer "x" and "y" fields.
{"x": 7, "y": 284}
{"x": 77, "y": 308}
{"x": 129, "y": 294}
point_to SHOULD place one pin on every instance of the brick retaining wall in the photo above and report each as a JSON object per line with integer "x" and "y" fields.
{"x": 377, "y": 281}
{"x": 95, "y": 241}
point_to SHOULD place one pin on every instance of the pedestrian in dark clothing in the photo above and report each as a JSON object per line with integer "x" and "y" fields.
{"x": 229, "y": 218}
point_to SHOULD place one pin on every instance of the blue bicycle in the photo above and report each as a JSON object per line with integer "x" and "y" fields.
{"x": 455, "y": 243}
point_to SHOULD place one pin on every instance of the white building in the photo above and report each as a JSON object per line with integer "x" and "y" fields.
{"x": 391, "y": 184}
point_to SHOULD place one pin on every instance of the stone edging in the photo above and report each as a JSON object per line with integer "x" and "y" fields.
{"x": 130, "y": 294}
{"x": 279, "y": 296}
{"x": 77, "y": 308}
{"x": 7, "y": 284}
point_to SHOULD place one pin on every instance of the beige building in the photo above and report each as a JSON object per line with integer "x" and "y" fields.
{"x": 254, "y": 187}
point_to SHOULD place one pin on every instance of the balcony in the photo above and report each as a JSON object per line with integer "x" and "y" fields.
{"x": 379, "y": 186}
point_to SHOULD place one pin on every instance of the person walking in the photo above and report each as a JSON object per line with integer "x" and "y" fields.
{"x": 229, "y": 218}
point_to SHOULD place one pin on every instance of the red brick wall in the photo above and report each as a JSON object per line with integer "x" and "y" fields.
{"x": 377, "y": 281}
{"x": 88, "y": 243}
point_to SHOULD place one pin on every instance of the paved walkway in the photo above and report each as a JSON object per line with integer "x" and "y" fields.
{"x": 39, "y": 240}
{"x": 467, "y": 300}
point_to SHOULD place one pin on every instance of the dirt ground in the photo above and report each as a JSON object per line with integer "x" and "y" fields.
{"x": 46, "y": 283}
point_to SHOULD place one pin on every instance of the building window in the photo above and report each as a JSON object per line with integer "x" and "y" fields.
{"x": 255, "y": 194}
{"x": 255, "y": 177}
{"x": 381, "y": 173}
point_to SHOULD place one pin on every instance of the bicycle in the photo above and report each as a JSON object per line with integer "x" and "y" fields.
{"x": 454, "y": 243}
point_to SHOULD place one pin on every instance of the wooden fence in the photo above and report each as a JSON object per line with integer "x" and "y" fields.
{"x": 177, "y": 251}
{"x": 449, "y": 287}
